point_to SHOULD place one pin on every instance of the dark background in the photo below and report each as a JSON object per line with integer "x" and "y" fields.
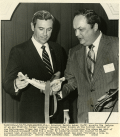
{"x": 18, "y": 30}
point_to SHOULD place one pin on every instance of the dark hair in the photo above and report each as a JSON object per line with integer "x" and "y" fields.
{"x": 42, "y": 15}
{"x": 91, "y": 17}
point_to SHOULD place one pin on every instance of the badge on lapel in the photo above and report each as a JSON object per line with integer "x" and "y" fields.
{"x": 109, "y": 68}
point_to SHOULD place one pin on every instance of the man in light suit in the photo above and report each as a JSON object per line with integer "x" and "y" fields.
{"x": 93, "y": 70}
{"x": 28, "y": 59}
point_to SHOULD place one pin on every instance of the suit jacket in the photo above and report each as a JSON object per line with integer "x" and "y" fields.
{"x": 77, "y": 75}
{"x": 25, "y": 58}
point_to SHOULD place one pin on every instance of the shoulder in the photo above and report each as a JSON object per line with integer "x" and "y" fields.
{"x": 22, "y": 46}
{"x": 112, "y": 42}
{"x": 111, "y": 39}
{"x": 55, "y": 46}
{"x": 75, "y": 49}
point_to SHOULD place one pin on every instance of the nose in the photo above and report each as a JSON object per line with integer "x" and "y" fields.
{"x": 77, "y": 33}
{"x": 45, "y": 32}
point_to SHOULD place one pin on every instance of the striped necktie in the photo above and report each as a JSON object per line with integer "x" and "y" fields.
{"x": 46, "y": 61}
{"x": 91, "y": 61}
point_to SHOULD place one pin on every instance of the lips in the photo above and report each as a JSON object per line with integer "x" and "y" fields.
{"x": 44, "y": 38}
{"x": 79, "y": 38}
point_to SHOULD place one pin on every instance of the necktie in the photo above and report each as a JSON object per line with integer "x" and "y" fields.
{"x": 91, "y": 61}
{"x": 46, "y": 61}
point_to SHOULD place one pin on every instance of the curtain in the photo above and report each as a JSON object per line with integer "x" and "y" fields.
{"x": 18, "y": 30}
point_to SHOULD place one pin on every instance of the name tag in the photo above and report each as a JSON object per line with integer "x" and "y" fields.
{"x": 109, "y": 67}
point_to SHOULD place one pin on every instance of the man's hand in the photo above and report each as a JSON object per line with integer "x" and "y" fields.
{"x": 56, "y": 85}
{"x": 20, "y": 82}
{"x": 54, "y": 88}
{"x": 66, "y": 117}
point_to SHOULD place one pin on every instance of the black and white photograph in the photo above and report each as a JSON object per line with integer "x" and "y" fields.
{"x": 59, "y": 63}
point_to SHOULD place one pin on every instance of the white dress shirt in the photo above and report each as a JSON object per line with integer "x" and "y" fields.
{"x": 96, "y": 44}
{"x": 40, "y": 50}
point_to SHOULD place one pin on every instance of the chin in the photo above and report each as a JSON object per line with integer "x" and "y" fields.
{"x": 43, "y": 42}
{"x": 82, "y": 43}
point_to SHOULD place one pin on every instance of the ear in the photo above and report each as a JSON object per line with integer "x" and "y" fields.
{"x": 32, "y": 26}
{"x": 95, "y": 27}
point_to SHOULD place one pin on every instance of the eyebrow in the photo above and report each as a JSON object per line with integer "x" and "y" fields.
{"x": 78, "y": 28}
{"x": 47, "y": 28}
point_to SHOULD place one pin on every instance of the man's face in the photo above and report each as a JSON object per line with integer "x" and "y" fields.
{"x": 42, "y": 30}
{"x": 83, "y": 30}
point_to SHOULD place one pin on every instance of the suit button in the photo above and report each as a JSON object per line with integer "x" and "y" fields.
{"x": 92, "y": 90}
{"x": 91, "y": 105}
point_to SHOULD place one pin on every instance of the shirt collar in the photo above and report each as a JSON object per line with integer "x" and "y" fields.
{"x": 97, "y": 41}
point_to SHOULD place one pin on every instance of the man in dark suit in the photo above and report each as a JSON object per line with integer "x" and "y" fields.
{"x": 92, "y": 65}
{"x": 28, "y": 58}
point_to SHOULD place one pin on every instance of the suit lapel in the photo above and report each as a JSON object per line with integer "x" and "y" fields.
{"x": 101, "y": 55}
{"x": 35, "y": 57}
{"x": 52, "y": 51}
{"x": 81, "y": 59}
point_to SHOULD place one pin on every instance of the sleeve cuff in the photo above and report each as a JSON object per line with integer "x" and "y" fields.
{"x": 15, "y": 87}
{"x": 66, "y": 110}
{"x": 59, "y": 96}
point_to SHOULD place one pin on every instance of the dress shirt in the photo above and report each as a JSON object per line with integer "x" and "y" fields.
{"x": 15, "y": 87}
{"x": 96, "y": 44}
{"x": 40, "y": 50}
